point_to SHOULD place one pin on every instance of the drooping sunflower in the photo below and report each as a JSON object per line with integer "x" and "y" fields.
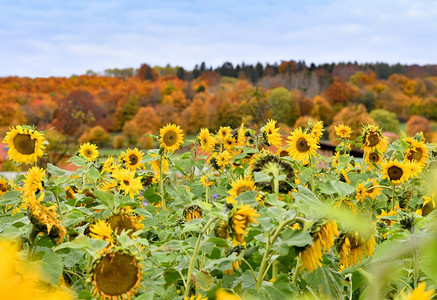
{"x": 343, "y": 131}
{"x": 132, "y": 159}
{"x": 323, "y": 234}
{"x": 25, "y": 144}
{"x": 240, "y": 221}
{"x": 128, "y": 183}
{"x": 301, "y": 145}
{"x": 89, "y": 151}
{"x": 316, "y": 130}
{"x": 171, "y": 137}
{"x": 101, "y": 230}
{"x": 373, "y": 139}
{"x": 33, "y": 181}
{"x": 417, "y": 152}
{"x": 353, "y": 247}
{"x": 395, "y": 171}
{"x": 125, "y": 219}
{"x": 241, "y": 136}
{"x": 4, "y": 186}
{"x": 271, "y": 135}
{"x": 206, "y": 140}
{"x": 274, "y": 166}
{"x": 235, "y": 267}
{"x": 192, "y": 212}
{"x": 115, "y": 274}
{"x": 44, "y": 218}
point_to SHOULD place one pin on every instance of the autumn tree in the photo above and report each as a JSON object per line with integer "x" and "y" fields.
{"x": 321, "y": 110}
{"x": 147, "y": 120}
{"x": 354, "y": 116}
{"x": 96, "y": 135}
{"x": 418, "y": 124}
{"x": 284, "y": 107}
{"x": 340, "y": 92}
{"x": 145, "y": 72}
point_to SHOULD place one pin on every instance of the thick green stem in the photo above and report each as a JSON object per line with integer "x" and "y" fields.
{"x": 297, "y": 269}
{"x": 263, "y": 263}
{"x": 415, "y": 262}
{"x": 193, "y": 258}
{"x": 161, "y": 183}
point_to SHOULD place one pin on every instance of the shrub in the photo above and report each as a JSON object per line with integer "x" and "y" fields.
{"x": 97, "y": 135}
{"x": 118, "y": 142}
{"x": 418, "y": 124}
{"x": 388, "y": 121}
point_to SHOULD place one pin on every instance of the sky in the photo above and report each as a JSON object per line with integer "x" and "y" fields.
{"x": 46, "y": 38}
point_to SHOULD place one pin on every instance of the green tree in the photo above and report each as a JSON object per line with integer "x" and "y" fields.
{"x": 388, "y": 121}
{"x": 284, "y": 107}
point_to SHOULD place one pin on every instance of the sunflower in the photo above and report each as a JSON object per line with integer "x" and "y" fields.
{"x": 34, "y": 181}
{"x": 224, "y": 132}
{"x": 418, "y": 293}
{"x": 115, "y": 274}
{"x": 222, "y": 294}
{"x": 235, "y": 267}
{"x": 274, "y": 166}
{"x": 343, "y": 131}
{"x": 301, "y": 145}
{"x": 125, "y": 219}
{"x": 229, "y": 143}
{"x": 240, "y": 186}
{"x": 192, "y": 212}
{"x": 323, "y": 240}
{"x": 4, "y": 186}
{"x": 110, "y": 166}
{"x": 194, "y": 297}
{"x": 271, "y": 135}
{"x": 101, "y": 230}
{"x": 70, "y": 191}
{"x": 171, "y": 137}
{"x": 44, "y": 218}
{"x": 89, "y": 151}
{"x": 373, "y": 190}
{"x": 383, "y": 214}
{"x": 130, "y": 184}
{"x": 206, "y": 140}
{"x": 154, "y": 164}
{"x": 372, "y": 158}
{"x": 316, "y": 130}
{"x": 353, "y": 247}
{"x": 361, "y": 192}
{"x": 25, "y": 144}
{"x": 395, "y": 171}
{"x": 241, "y": 220}
{"x": 417, "y": 152}
{"x": 372, "y": 139}
{"x": 205, "y": 181}
{"x": 222, "y": 159}
{"x": 241, "y": 136}
{"x": 132, "y": 159}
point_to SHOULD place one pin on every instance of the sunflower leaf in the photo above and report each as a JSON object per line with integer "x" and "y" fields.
{"x": 52, "y": 267}
{"x": 261, "y": 177}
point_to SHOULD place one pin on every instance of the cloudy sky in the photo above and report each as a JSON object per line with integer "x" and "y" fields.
{"x": 61, "y": 38}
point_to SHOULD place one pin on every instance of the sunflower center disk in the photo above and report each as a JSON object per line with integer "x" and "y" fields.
{"x": 169, "y": 138}
{"x": 415, "y": 155}
{"x": 121, "y": 222}
{"x": 116, "y": 274}
{"x": 133, "y": 159}
{"x": 243, "y": 189}
{"x": 24, "y": 144}
{"x": 374, "y": 157}
{"x": 372, "y": 139}
{"x": 395, "y": 173}
{"x": 302, "y": 145}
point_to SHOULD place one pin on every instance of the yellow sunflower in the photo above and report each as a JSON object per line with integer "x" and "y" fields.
{"x": 89, "y": 151}
{"x": 192, "y": 212}
{"x": 229, "y": 142}
{"x": 109, "y": 166}
{"x": 222, "y": 294}
{"x": 240, "y": 186}
{"x": 194, "y": 297}
{"x": 115, "y": 274}
{"x": 224, "y": 132}
{"x": 125, "y": 219}
{"x": 301, "y": 146}
{"x": 353, "y": 247}
{"x": 25, "y": 144}
{"x": 417, "y": 152}
{"x": 206, "y": 140}
{"x": 271, "y": 135}
{"x": 33, "y": 181}
{"x": 154, "y": 164}
{"x": 316, "y": 130}
{"x": 373, "y": 139}
{"x": 129, "y": 184}
{"x": 4, "y": 186}
{"x": 372, "y": 158}
{"x": 241, "y": 220}
{"x": 373, "y": 190}
{"x": 132, "y": 159}
{"x": 205, "y": 181}
{"x": 235, "y": 267}
{"x": 241, "y": 136}
{"x": 220, "y": 160}
{"x": 343, "y": 131}
{"x": 171, "y": 137}
{"x": 361, "y": 192}
{"x": 418, "y": 293}
{"x": 323, "y": 240}
{"x": 101, "y": 230}
{"x": 395, "y": 171}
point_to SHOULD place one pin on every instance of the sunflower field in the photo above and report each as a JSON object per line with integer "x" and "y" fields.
{"x": 235, "y": 214}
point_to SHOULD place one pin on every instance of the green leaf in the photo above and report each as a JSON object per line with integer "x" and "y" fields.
{"x": 11, "y": 197}
{"x": 146, "y": 296}
{"x": 51, "y": 268}
{"x": 193, "y": 225}
{"x": 261, "y": 177}
{"x": 203, "y": 280}
{"x": 106, "y": 198}
{"x": 78, "y": 161}
{"x": 54, "y": 170}
{"x": 327, "y": 283}
{"x": 247, "y": 197}
{"x": 336, "y": 187}
{"x": 298, "y": 238}
{"x": 272, "y": 199}
{"x": 94, "y": 174}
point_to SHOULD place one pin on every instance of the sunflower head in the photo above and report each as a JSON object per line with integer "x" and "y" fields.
{"x": 132, "y": 159}
{"x": 171, "y": 137}
{"x": 127, "y": 181}
{"x": 395, "y": 171}
{"x": 125, "y": 220}
{"x": 101, "y": 230}
{"x": 240, "y": 221}
{"x": 192, "y": 212}
{"x": 115, "y": 274}
{"x": 316, "y": 130}
{"x": 25, "y": 144}
{"x": 4, "y": 186}
{"x": 271, "y": 135}
{"x": 343, "y": 131}
{"x": 417, "y": 153}
{"x": 89, "y": 151}
{"x": 353, "y": 247}
{"x": 206, "y": 140}
{"x": 301, "y": 145}
{"x": 274, "y": 166}
{"x": 372, "y": 139}
{"x": 34, "y": 181}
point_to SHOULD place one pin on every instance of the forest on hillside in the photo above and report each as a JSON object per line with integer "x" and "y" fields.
{"x": 118, "y": 107}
